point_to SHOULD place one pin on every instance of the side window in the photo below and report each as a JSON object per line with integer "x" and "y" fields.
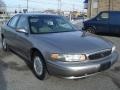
{"x": 12, "y": 23}
{"x": 22, "y": 23}
{"x": 103, "y": 16}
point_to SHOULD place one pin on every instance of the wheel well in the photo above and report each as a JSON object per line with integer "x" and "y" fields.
{"x": 33, "y": 50}
{"x": 2, "y": 36}
{"x": 91, "y": 27}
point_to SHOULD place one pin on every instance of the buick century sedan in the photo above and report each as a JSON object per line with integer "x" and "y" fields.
{"x": 55, "y": 47}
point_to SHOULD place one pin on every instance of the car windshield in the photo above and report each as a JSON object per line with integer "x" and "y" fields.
{"x": 50, "y": 24}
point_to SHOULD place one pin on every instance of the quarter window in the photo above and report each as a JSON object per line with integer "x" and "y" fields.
{"x": 12, "y": 23}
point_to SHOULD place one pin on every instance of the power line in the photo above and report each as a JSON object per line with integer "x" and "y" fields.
{"x": 61, "y": 3}
{"x": 55, "y": 3}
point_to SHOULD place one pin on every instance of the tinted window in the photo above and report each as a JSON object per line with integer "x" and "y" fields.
{"x": 12, "y": 23}
{"x": 22, "y": 23}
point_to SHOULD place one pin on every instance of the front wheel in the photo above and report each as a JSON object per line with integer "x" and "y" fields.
{"x": 4, "y": 44}
{"x": 91, "y": 30}
{"x": 39, "y": 67}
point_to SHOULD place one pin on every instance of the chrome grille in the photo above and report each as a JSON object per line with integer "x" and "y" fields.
{"x": 99, "y": 55}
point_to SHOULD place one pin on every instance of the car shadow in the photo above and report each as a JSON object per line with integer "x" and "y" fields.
{"x": 27, "y": 62}
{"x": 111, "y": 35}
{"x": 3, "y": 83}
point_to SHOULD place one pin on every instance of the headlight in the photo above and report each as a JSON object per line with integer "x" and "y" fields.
{"x": 68, "y": 57}
{"x": 113, "y": 48}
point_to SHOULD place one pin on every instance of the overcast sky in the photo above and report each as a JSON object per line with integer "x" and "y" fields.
{"x": 44, "y": 4}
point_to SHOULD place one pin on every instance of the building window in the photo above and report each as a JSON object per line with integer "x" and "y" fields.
{"x": 95, "y": 4}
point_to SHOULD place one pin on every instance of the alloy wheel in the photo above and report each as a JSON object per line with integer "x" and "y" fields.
{"x": 4, "y": 45}
{"x": 38, "y": 66}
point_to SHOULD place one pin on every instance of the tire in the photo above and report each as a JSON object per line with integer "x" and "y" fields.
{"x": 4, "y": 44}
{"x": 39, "y": 66}
{"x": 91, "y": 30}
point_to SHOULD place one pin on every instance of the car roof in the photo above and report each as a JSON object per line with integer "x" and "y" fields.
{"x": 37, "y": 14}
{"x": 112, "y": 11}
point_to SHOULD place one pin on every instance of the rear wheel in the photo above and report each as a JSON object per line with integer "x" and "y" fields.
{"x": 91, "y": 30}
{"x": 39, "y": 66}
{"x": 4, "y": 44}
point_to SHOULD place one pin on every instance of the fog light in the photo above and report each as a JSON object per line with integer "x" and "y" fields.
{"x": 113, "y": 48}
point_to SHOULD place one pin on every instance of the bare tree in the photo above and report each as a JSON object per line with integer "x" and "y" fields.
{"x": 2, "y": 6}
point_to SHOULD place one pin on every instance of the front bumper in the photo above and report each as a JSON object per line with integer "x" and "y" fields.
{"x": 72, "y": 70}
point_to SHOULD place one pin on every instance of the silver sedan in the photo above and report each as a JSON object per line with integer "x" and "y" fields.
{"x": 54, "y": 46}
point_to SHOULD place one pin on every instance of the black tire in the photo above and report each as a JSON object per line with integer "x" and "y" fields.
{"x": 4, "y": 44}
{"x": 91, "y": 30}
{"x": 43, "y": 74}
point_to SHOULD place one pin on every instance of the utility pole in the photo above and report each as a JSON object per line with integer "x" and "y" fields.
{"x": 73, "y": 7}
{"x": 59, "y": 5}
{"x": 27, "y": 5}
{"x": 19, "y": 8}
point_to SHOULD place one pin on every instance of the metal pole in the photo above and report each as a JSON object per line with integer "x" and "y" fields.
{"x": 90, "y": 8}
{"x": 109, "y": 5}
{"x": 58, "y": 6}
{"x": 98, "y": 6}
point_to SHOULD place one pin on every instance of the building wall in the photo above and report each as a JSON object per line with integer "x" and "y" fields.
{"x": 92, "y": 8}
{"x": 102, "y": 5}
{"x": 115, "y": 5}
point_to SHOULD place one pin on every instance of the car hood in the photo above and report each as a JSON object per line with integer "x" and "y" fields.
{"x": 74, "y": 42}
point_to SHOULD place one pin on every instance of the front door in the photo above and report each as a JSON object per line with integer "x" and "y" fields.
{"x": 102, "y": 22}
{"x": 115, "y": 23}
{"x": 22, "y": 39}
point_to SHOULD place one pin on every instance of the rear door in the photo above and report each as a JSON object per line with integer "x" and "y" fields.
{"x": 10, "y": 31}
{"x": 102, "y": 22}
{"x": 115, "y": 22}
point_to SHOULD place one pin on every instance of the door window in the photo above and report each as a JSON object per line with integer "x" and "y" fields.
{"x": 22, "y": 23}
{"x": 103, "y": 16}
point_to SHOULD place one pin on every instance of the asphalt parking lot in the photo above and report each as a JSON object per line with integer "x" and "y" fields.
{"x": 16, "y": 75}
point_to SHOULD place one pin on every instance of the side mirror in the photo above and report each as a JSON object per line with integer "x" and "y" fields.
{"x": 22, "y": 31}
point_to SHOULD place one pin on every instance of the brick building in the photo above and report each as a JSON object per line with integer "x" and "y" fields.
{"x": 95, "y": 6}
